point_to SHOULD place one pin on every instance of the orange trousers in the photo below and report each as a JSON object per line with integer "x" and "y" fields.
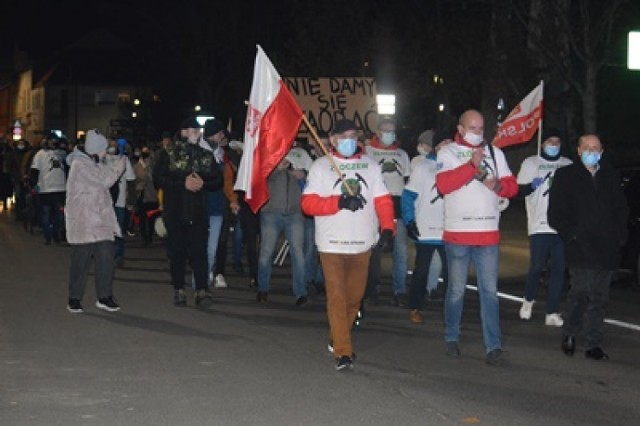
{"x": 345, "y": 279}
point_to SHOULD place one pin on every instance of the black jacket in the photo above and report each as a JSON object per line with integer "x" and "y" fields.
{"x": 590, "y": 215}
{"x": 171, "y": 170}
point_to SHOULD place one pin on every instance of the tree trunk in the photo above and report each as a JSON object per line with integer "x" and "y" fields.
{"x": 589, "y": 99}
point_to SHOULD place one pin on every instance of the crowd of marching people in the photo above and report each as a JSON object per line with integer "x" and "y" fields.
{"x": 337, "y": 205}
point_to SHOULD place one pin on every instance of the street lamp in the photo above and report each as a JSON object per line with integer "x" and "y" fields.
{"x": 633, "y": 55}
{"x": 136, "y": 102}
{"x": 197, "y": 108}
{"x": 386, "y": 104}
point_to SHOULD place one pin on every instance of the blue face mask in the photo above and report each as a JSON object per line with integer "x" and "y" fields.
{"x": 552, "y": 150}
{"x": 347, "y": 147}
{"x": 388, "y": 138}
{"x": 590, "y": 158}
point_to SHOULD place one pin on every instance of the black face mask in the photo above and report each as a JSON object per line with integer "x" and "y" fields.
{"x": 145, "y": 154}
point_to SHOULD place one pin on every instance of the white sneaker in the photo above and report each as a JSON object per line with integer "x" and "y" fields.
{"x": 220, "y": 282}
{"x": 525, "y": 310}
{"x": 554, "y": 320}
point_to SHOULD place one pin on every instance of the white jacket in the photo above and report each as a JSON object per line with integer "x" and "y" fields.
{"x": 89, "y": 213}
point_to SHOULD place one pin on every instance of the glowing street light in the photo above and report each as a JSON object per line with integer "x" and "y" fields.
{"x": 633, "y": 55}
{"x": 197, "y": 108}
{"x": 441, "y": 107}
{"x": 134, "y": 114}
{"x": 386, "y": 104}
{"x": 136, "y": 102}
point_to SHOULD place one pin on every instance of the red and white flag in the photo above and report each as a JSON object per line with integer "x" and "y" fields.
{"x": 521, "y": 123}
{"x": 273, "y": 119}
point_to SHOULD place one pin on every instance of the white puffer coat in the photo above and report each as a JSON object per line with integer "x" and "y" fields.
{"x": 89, "y": 213}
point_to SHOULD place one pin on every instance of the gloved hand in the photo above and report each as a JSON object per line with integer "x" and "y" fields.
{"x": 350, "y": 202}
{"x": 385, "y": 243}
{"x": 535, "y": 183}
{"x": 412, "y": 231}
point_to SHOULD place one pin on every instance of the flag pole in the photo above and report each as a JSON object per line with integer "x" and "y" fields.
{"x": 540, "y": 123}
{"x": 326, "y": 153}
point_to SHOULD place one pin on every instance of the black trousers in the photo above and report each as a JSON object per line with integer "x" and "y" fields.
{"x": 187, "y": 241}
{"x": 586, "y": 304}
{"x": 102, "y": 254}
{"x": 250, "y": 224}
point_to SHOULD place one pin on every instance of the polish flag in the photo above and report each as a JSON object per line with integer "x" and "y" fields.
{"x": 273, "y": 119}
{"x": 521, "y": 123}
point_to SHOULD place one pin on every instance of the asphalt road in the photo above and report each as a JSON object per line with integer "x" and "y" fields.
{"x": 248, "y": 364}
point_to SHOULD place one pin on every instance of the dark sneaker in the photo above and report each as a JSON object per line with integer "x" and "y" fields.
{"x": 330, "y": 346}
{"x": 496, "y": 358}
{"x": 74, "y": 306}
{"x": 204, "y": 298}
{"x": 262, "y": 297}
{"x": 253, "y": 283}
{"x": 107, "y": 304}
{"x": 344, "y": 363}
{"x": 179, "y": 298}
{"x": 399, "y": 300}
{"x": 302, "y": 300}
{"x": 453, "y": 350}
{"x": 597, "y": 354}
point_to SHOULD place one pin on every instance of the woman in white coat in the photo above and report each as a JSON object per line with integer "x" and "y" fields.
{"x": 91, "y": 221}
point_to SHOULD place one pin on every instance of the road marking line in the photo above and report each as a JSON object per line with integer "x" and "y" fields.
{"x": 611, "y": 321}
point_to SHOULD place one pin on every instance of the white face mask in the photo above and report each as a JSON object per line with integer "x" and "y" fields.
{"x": 423, "y": 150}
{"x": 473, "y": 139}
{"x": 388, "y": 138}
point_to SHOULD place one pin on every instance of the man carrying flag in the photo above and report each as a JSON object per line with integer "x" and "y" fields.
{"x": 273, "y": 118}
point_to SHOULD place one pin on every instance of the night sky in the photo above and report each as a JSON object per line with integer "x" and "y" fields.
{"x": 333, "y": 37}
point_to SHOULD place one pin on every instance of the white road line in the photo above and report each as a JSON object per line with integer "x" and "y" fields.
{"x": 611, "y": 321}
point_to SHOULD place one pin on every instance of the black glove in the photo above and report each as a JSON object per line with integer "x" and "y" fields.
{"x": 385, "y": 243}
{"x": 412, "y": 231}
{"x": 350, "y": 202}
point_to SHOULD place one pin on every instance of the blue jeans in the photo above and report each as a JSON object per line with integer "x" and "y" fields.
{"x": 312, "y": 269}
{"x": 51, "y": 215}
{"x": 399, "y": 257}
{"x": 485, "y": 260}
{"x": 434, "y": 272}
{"x": 399, "y": 268}
{"x": 543, "y": 245}
{"x": 120, "y": 215}
{"x": 422, "y": 271}
{"x": 271, "y": 225}
{"x": 215, "y": 225}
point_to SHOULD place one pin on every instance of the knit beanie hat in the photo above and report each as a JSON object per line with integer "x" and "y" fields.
{"x": 95, "y": 142}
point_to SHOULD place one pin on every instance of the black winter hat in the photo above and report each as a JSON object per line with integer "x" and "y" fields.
{"x": 342, "y": 126}
{"x": 190, "y": 123}
{"x": 212, "y": 127}
{"x": 551, "y": 132}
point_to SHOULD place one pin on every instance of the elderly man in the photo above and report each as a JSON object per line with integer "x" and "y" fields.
{"x": 588, "y": 209}
{"x": 346, "y": 228}
{"x": 472, "y": 176}
{"x": 534, "y": 182}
